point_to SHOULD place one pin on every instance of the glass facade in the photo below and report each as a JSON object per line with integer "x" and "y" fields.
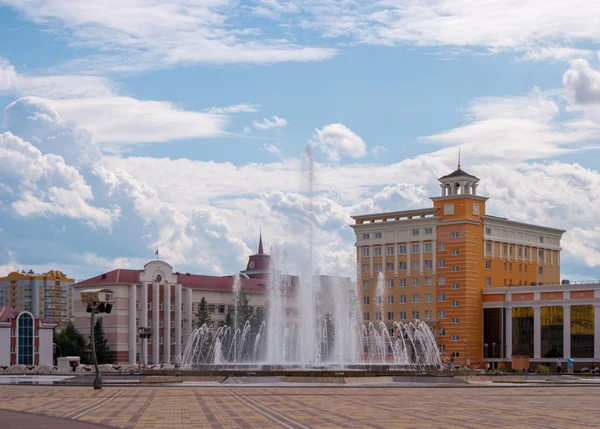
{"x": 493, "y": 333}
{"x": 552, "y": 323}
{"x": 582, "y": 331}
{"x": 25, "y": 339}
{"x": 522, "y": 331}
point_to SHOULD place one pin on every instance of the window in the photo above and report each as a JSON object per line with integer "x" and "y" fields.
{"x": 365, "y": 300}
{"x": 442, "y": 263}
{"x": 402, "y": 315}
{"x": 378, "y": 235}
{"x": 137, "y": 305}
{"x": 378, "y": 316}
{"x": 520, "y": 268}
{"x": 505, "y": 266}
{"x": 415, "y": 232}
{"x": 455, "y": 252}
{"x": 488, "y": 265}
{"x": 414, "y": 248}
{"x": 137, "y": 322}
{"x": 441, "y": 247}
{"x": 365, "y": 284}
{"x": 488, "y": 247}
{"x": 455, "y": 354}
{"x": 25, "y": 341}
{"x": 455, "y": 269}
{"x": 211, "y": 308}
{"x": 428, "y": 281}
{"x": 415, "y": 298}
{"x": 377, "y": 268}
{"x": 455, "y": 337}
{"x": 415, "y": 281}
{"x": 427, "y": 247}
{"x": 455, "y": 286}
{"x": 448, "y": 209}
{"x": 366, "y": 236}
{"x": 389, "y": 266}
{"x": 540, "y": 254}
{"x": 540, "y": 270}
{"x": 402, "y": 299}
{"x": 366, "y": 316}
{"x": 389, "y": 250}
{"x": 442, "y": 348}
{"x": 504, "y": 282}
{"x": 403, "y": 266}
{"x": 428, "y": 264}
{"x": 172, "y": 307}
{"x": 428, "y": 298}
{"x": 222, "y": 309}
{"x": 415, "y": 265}
{"x": 160, "y": 339}
{"x": 390, "y": 299}
{"x": 455, "y": 304}
{"x": 428, "y": 231}
{"x": 455, "y": 234}
{"x": 366, "y": 252}
{"x": 402, "y": 249}
{"x": 455, "y": 320}
{"x": 441, "y": 332}
{"x": 541, "y": 239}
{"x": 390, "y": 315}
{"x": 160, "y": 324}
{"x": 390, "y": 283}
{"x": 402, "y": 282}
{"x": 160, "y": 306}
{"x": 378, "y": 300}
{"x": 488, "y": 231}
{"x": 441, "y": 297}
{"x": 365, "y": 268}
{"x": 427, "y": 314}
{"x": 510, "y": 267}
{"x": 441, "y": 280}
{"x": 441, "y": 314}
{"x": 150, "y": 306}
{"x": 377, "y": 251}
{"x": 476, "y": 209}
{"x": 415, "y": 315}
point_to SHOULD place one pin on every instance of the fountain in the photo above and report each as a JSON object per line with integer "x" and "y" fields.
{"x": 322, "y": 332}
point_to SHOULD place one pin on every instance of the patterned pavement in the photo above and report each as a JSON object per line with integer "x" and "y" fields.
{"x": 551, "y": 407}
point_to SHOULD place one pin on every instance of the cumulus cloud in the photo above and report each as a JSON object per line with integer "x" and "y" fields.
{"x": 275, "y": 122}
{"x": 378, "y": 151}
{"x": 272, "y": 149}
{"x": 234, "y": 108}
{"x": 582, "y": 83}
{"x": 337, "y": 140}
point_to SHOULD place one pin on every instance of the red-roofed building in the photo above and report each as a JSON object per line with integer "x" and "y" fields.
{"x": 24, "y": 340}
{"x": 167, "y": 301}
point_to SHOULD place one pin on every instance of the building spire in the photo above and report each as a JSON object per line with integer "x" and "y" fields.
{"x": 459, "y": 158}
{"x": 260, "y": 245}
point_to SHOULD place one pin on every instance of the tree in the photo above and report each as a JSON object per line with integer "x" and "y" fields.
{"x": 203, "y": 315}
{"x": 243, "y": 313}
{"x": 228, "y": 320}
{"x": 103, "y": 352}
{"x": 70, "y": 342}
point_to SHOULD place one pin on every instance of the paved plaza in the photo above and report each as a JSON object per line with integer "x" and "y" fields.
{"x": 299, "y": 408}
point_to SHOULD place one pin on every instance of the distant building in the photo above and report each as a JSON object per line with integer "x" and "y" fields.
{"x": 24, "y": 339}
{"x": 46, "y": 296}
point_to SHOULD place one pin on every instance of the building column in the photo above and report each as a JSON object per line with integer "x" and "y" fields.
{"x": 132, "y": 327}
{"x": 558, "y": 258}
{"x": 551, "y": 258}
{"x": 421, "y": 261}
{"x": 501, "y": 249}
{"x": 567, "y": 331}
{"x": 537, "y": 331}
{"x": 484, "y": 249}
{"x": 167, "y": 319}
{"x": 596, "y": 331}
{"x": 408, "y": 252}
{"x": 155, "y": 322}
{"x": 508, "y": 331}
{"x": 188, "y": 314}
{"x": 493, "y": 249}
{"x": 516, "y": 253}
{"x": 371, "y": 261}
{"x": 178, "y": 350}
{"x": 434, "y": 262}
{"x": 523, "y": 254}
{"x": 530, "y": 255}
{"x": 545, "y": 256}
{"x": 144, "y": 319}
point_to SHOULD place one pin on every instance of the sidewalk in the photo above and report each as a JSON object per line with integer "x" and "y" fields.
{"x": 14, "y": 420}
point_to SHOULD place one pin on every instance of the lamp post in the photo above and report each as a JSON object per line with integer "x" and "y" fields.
{"x": 485, "y": 352}
{"x": 97, "y": 301}
{"x": 465, "y": 354}
{"x": 144, "y": 333}
{"x": 494, "y": 352}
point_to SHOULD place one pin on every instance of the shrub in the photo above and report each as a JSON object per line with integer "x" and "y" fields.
{"x": 543, "y": 369}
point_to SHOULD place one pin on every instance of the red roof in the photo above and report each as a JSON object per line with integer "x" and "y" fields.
{"x": 7, "y": 313}
{"x": 196, "y": 281}
{"x": 114, "y": 277}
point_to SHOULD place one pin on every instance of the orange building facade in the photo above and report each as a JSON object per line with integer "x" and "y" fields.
{"x": 435, "y": 263}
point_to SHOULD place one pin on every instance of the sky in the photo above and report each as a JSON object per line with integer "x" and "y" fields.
{"x": 192, "y": 125}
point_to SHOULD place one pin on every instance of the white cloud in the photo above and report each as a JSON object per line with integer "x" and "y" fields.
{"x": 267, "y": 123}
{"x": 582, "y": 83}
{"x": 337, "y": 140}
{"x": 378, "y": 151}
{"x": 235, "y": 108}
{"x": 63, "y": 86}
{"x": 272, "y": 149}
{"x": 555, "y": 53}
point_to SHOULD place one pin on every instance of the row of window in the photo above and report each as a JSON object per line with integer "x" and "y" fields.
{"x": 540, "y": 238}
{"x": 414, "y": 232}
{"x": 416, "y": 298}
{"x": 13, "y": 333}
{"x": 160, "y": 340}
{"x": 401, "y": 315}
{"x": 13, "y": 349}
{"x": 415, "y": 281}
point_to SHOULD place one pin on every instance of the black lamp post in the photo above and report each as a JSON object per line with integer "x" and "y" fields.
{"x": 465, "y": 354}
{"x": 494, "y": 353}
{"x": 144, "y": 333}
{"x": 97, "y": 301}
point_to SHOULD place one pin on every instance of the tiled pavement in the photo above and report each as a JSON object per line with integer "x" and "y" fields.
{"x": 301, "y": 408}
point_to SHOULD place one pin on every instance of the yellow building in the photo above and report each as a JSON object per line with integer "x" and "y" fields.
{"x": 47, "y": 296}
{"x": 435, "y": 263}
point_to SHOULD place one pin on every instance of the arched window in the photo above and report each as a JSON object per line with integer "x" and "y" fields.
{"x": 25, "y": 332}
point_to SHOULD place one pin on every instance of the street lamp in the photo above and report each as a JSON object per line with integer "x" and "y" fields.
{"x": 97, "y": 301}
{"x": 144, "y": 333}
{"x": 60, "y": 348}
{"x": 465, "y": 354}
{"x": 494, "y": 352}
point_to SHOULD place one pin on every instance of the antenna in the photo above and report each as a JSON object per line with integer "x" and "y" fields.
{"x": 459, "y": 158}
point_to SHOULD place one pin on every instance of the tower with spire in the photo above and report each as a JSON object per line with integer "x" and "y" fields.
{"x": 258, "y": 264}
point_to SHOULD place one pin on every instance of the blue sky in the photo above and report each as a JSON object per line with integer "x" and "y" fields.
{"x": 182, "y": 124}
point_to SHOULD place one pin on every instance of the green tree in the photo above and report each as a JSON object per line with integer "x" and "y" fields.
{"x": 330, "y": 344}
{"x": 243, "y": 313}
{"x": 70, "y": 342}
{"x": 103, "y": 352}
{"x": 203, "y": 315}
{"x": 229, "y": 320}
